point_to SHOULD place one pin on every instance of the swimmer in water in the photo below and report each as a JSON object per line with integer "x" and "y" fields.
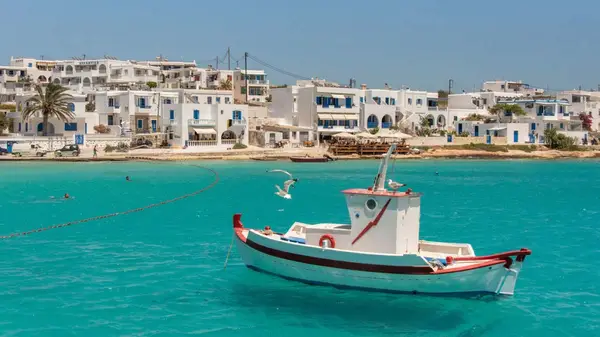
{"x": 66, "y": 196}
{"x": 436, "y": 173}
{"x": 127, "y": 178}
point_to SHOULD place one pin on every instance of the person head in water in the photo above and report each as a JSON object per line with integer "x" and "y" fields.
{"x": 67, "y": 196}
{"x": 127, "y": 178}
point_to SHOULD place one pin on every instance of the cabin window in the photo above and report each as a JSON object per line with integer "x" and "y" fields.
{"x": 371, "y": 204}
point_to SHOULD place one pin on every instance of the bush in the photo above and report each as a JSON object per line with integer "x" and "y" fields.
{"x": 464, "y": 134}
{"x": 101, "y": 128}
{"x": 480, "y": 147}
{"x": 525, "y": 148}
{"x": 152, "y": 85}
{"x": 239, "y": 146}
{"x": 558, "y": 141}
{"x": 374, "y": 130}
{"x": 109, "y": 148}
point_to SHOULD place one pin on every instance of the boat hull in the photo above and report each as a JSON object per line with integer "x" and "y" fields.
{"x": 489, "y": 279}
{"x": 309, "y": 159}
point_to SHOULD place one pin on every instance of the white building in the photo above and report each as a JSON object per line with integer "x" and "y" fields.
{"x": 512, "y": 86}
{"x": 87, "y": 75}
{"x": 200, "y": 120}
{"x": 258, "y": 86}
{"x": 587, "y": 102}
{"x": 38, "y": 71}
{"x": 83, "y": 123}
{"x": 331, "y": 110}
{"x": 515, "y": 133}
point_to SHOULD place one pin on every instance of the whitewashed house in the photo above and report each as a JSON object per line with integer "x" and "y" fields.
{"x": 518, "y": 87}
{"x": 258, "y": 86}
{"x": 204, "y": 119}
{"x": 587, "y": 102}
{"x": 378, "y": 108}
{"x": 83, "y": 122}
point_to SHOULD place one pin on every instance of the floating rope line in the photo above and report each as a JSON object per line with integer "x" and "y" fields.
{"x": 111, "y": 215}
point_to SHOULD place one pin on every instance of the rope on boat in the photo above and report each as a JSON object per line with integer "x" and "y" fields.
{"x": 111, "y": 215}
{"x": 229, "y": 251}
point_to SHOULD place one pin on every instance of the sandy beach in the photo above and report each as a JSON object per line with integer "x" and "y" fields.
{"x": 255, "y": 153}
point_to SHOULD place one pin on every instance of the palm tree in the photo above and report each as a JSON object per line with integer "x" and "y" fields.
{"x": 225, "y": 85}
{"x": 51, "y": 102}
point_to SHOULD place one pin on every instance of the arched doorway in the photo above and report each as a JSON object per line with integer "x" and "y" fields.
{"x": 42, "y": 78}
{"x": 69, "y": 70}
{"x": 40, "y": 129}
{"x": 56, "y": 81}
{"x": 372, "y": 122}
{"x": 228, "y": 136}
{"x": 87, "y": 82}
{"x": 387, "y": 121}
{"x": 430, "y": 120}
{"x": 441, "y": 121}
{"x": 102, "y": 69}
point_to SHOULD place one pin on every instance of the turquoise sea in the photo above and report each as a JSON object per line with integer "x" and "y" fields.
{"x": 160, "y": 272}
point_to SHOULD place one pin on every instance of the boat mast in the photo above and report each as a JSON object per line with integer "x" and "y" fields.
{"x": 380, "y": 179}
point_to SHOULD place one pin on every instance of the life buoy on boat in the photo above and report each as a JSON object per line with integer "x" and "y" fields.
{"x": 329, "y": 238}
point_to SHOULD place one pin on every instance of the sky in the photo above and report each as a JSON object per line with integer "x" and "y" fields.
{"x": 420, "y": 44}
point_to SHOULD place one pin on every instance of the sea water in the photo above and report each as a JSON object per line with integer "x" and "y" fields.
{"x": 160, "y": 272}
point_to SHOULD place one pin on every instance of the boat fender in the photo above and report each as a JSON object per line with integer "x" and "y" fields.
{"x": 449, "y": 260}
{"x": 328, "y": 238}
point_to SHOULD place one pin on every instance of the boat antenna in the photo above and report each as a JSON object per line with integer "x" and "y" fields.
{"x": 380, "y": 179}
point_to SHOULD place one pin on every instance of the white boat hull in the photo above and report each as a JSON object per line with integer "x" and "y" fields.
{"x": 494, "y": 279}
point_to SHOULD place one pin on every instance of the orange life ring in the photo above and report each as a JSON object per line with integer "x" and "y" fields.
{"x": 327, "y": 237}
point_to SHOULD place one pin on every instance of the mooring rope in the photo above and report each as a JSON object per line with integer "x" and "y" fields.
{"x": 111, "y": 215}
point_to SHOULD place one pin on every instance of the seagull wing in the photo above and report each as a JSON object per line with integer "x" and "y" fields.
{"x": 287, "y": 184}
{"x": 278, "y": 188}
{"x": 282, "y": 171}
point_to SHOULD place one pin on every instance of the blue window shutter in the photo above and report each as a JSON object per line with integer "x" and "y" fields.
{"x": 387, "y": 100}
{"x": 318, "y": 101}
{"x": 348, "y": 102}
{"x": 196, "y": 114}
{"x": 362, "y": 99}
{"x": 172, "y": 114}
{"x": 325, "y": 102}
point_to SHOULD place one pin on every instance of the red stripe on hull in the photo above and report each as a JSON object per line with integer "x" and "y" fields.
{"x": 356, "y": 266}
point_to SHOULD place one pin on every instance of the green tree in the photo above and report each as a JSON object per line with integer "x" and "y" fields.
{"x": 225, "y": 85}
{"x": 508, "y": 110}
{"x": 4, "y": 122}
{"x": 53, "y": 101}
{"x": 559, "y": 141}
{"x": 152, "y": 85}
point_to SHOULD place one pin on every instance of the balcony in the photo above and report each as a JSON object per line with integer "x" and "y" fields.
{"x": 238, "y": 121}
{"x": 172, "y": 122}
{"x": 258, "y": 82}
{"x": 202, "y": 122}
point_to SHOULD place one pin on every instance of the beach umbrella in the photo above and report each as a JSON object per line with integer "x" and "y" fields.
{"x": 365, "y": 135}
{"x": 344, "y": 135}
{"x": 403, "y": 135}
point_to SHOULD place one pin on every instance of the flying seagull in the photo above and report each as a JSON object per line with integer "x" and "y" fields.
{"x": 284, "y": 193}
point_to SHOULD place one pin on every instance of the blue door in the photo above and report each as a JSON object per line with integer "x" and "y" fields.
{"x": 532, "y": 126}
{"x": 154, "y": 125}
{"x": 449, "y": 138}
{"x": 516, "y": 136}
{"x": 142, "y": 102}
{"x": 459, "y": 128}
{"x": 488, "y": 139}
{"x": 476, "y": 130}
{"x": 140, "y": 123}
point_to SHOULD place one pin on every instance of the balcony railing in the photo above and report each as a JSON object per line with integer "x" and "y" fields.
{"x": 238, "y": 122}
{"x": 194, "y": 143}
{"x": 202, "y": 122}
{"x": 263, "y": 82}
{"x": 386, "y": 125}
{"x": 172, "y": 122}
{"x": 228, "y": 141}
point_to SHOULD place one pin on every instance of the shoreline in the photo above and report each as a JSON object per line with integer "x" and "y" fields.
{"x": 284, "y": 156}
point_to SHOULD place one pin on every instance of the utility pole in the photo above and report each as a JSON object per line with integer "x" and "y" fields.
{"x": 228, "y": 58}
{"x": 450, "y": 85}
{"x": 246, "y": 74}
{"x": 217, "y": 62}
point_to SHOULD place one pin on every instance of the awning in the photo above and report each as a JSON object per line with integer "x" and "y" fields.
{"x": 498, "y": 128}
{"x": 205, "y": 131}
{"x": 338, "y": 117}
{"x": 338, "y": 96}
{"x": 353, "y": 117}
{"x": 325, "y": 117}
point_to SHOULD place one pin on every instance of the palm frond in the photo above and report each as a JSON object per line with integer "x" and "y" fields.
{"x": 52, "y": 102}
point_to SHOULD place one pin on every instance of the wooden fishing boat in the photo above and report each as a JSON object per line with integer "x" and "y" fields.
{"x": 264, "y": 158}
{"x": 379, "y": 250}
{"x": 323, "y": 159}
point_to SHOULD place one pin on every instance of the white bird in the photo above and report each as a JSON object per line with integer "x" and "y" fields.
{"x": 394, "y": 185}
{"x": 284, "y": 193}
